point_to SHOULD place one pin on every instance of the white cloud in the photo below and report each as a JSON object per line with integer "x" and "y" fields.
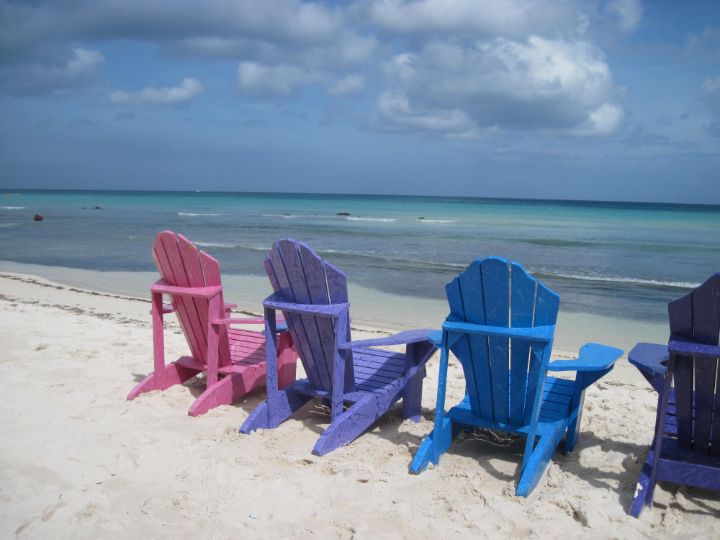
{"x": 710, "y": 86}
{"x": 400, "y": 66}
{"x": 394, "y": 111}
{"x": 75, "y": 69}
{"x": 628, "y": 12}
{"x": 280, "y": 79}
{"x": 83, "y": 61}
{"x": 537, "y": 84}
{"x": 489, "y": 18}
{"x": 347, "y": 85}
{"x": 710, "y": 98}
{"x": 173, "y": 95}
{"x": 602, "y": 121}
{"x": 355, "y": 48}
{"x": 704, "y": 44}
{"x": 500, "y": 64}
{"x": 540, "y": 67}
{"x": 710, "y": 94}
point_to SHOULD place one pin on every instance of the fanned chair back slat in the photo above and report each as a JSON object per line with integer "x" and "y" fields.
{"x": 696, "y": 380}
{"x": 300, "y": 276}
{"x": 522, "y": 315}
{"x": 547, "y": 304}
{"x": 181, "y": 264}
{"x": 502, "y": 375}
{"x": 211, "y": 273}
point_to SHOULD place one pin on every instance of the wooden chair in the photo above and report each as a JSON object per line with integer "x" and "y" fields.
{"x": 501, "y": 328}
{"x": 232, "y": 359}
{"x": 312, "y": 294}
{"x": 686, "y": 375}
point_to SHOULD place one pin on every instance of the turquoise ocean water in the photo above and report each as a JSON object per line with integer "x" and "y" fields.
{"x": 608, "y": 259}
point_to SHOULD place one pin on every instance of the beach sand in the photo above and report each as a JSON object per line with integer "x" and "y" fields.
{"x": 79, "y": 461}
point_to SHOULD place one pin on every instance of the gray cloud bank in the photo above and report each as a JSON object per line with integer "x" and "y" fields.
{"x": 459, "y": 68}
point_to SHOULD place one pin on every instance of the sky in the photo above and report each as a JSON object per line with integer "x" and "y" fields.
{"x": 594, "y": 100}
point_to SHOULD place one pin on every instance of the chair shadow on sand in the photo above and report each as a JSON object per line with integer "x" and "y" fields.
{"x": 196, "y": 385}
{"x": 625, "y": 481}
{"x": 621, "y": 482}
{"x": 314, "y": 416}
{"x": 510, "y": 450}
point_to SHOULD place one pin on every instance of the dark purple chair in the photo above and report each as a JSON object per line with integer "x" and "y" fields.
{"x": 686, "y": 447}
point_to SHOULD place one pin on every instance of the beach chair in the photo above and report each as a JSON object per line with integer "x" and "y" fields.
{"x": 501, "y": 327}
{"x": 232, "y": 359}
{"x": 312, "y": 295}
{"x": 685, "y": 373}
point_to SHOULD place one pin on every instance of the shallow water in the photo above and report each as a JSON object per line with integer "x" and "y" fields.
{"x": 604, "y": 259}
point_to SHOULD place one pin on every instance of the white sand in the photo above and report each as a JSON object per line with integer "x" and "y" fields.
{"x": 78, "y": 461}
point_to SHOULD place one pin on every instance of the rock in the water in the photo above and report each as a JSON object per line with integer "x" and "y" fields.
{"x": 343, "y": 214}
{"x": 38, "y": 217}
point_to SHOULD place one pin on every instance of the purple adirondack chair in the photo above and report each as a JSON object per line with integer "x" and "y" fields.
{"x": 233, "y": 359}
{"x": 686, "y": 447}
{"x": 312, "y": 295}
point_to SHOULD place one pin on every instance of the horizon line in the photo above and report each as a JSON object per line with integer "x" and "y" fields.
{"x": 6, "y": 191}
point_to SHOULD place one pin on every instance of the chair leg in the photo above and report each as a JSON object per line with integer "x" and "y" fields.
{"x": 645, "y": 488}
{"x": 438, "y": 441}
{"x": 573, "y": 430}
{"x": 537, "y": 463}
{"x": 269, "y": 416}
{"x": 228, "y": 390}
{"x": 287, "y": 360}
{"x": 412, "y": 397}
{"x": 171, "y": 375}
{"x": 433, "y": 446}
{"x": 348, "y": 425}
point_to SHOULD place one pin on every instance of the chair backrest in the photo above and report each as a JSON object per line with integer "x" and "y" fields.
{"x": 180, "y": 263}
{"x": 502, "y": 375}
{"x": 696, "y": 317}
{"x": 299, "y": 275}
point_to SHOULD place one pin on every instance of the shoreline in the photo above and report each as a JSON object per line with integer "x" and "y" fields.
{"x": 371, "y": 309}
{"x": 622, "y": 372}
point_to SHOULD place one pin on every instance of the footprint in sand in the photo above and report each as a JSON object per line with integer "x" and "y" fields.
{"x": 89, "y": 511}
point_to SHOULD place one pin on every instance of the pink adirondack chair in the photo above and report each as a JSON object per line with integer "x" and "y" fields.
{"x": 233, "y": 359}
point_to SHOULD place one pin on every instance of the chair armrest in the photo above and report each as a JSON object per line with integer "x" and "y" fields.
{"x": 246, "y": 320}
{"x": 169, "y": 308}
{"x": 678, "y": 345}
{"x": 543, "y": 334}
{"x": 435, "y": 337}
{"x": 280, "y": 327}
{"x": 161, "y": 286}
{"x": 650, "y": 358}
{"x": 401, "y": 338}
{"x": 276, "y": 301}
{"x": 592, "y": 357}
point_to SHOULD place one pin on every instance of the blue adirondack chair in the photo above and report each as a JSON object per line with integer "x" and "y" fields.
{"x": 312, "y": 294}
{"x": 501, "y": 327}
{"x": 686, "y": 446}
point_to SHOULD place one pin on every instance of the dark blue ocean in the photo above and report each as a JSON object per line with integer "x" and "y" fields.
{"x": 612, "y": 259}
